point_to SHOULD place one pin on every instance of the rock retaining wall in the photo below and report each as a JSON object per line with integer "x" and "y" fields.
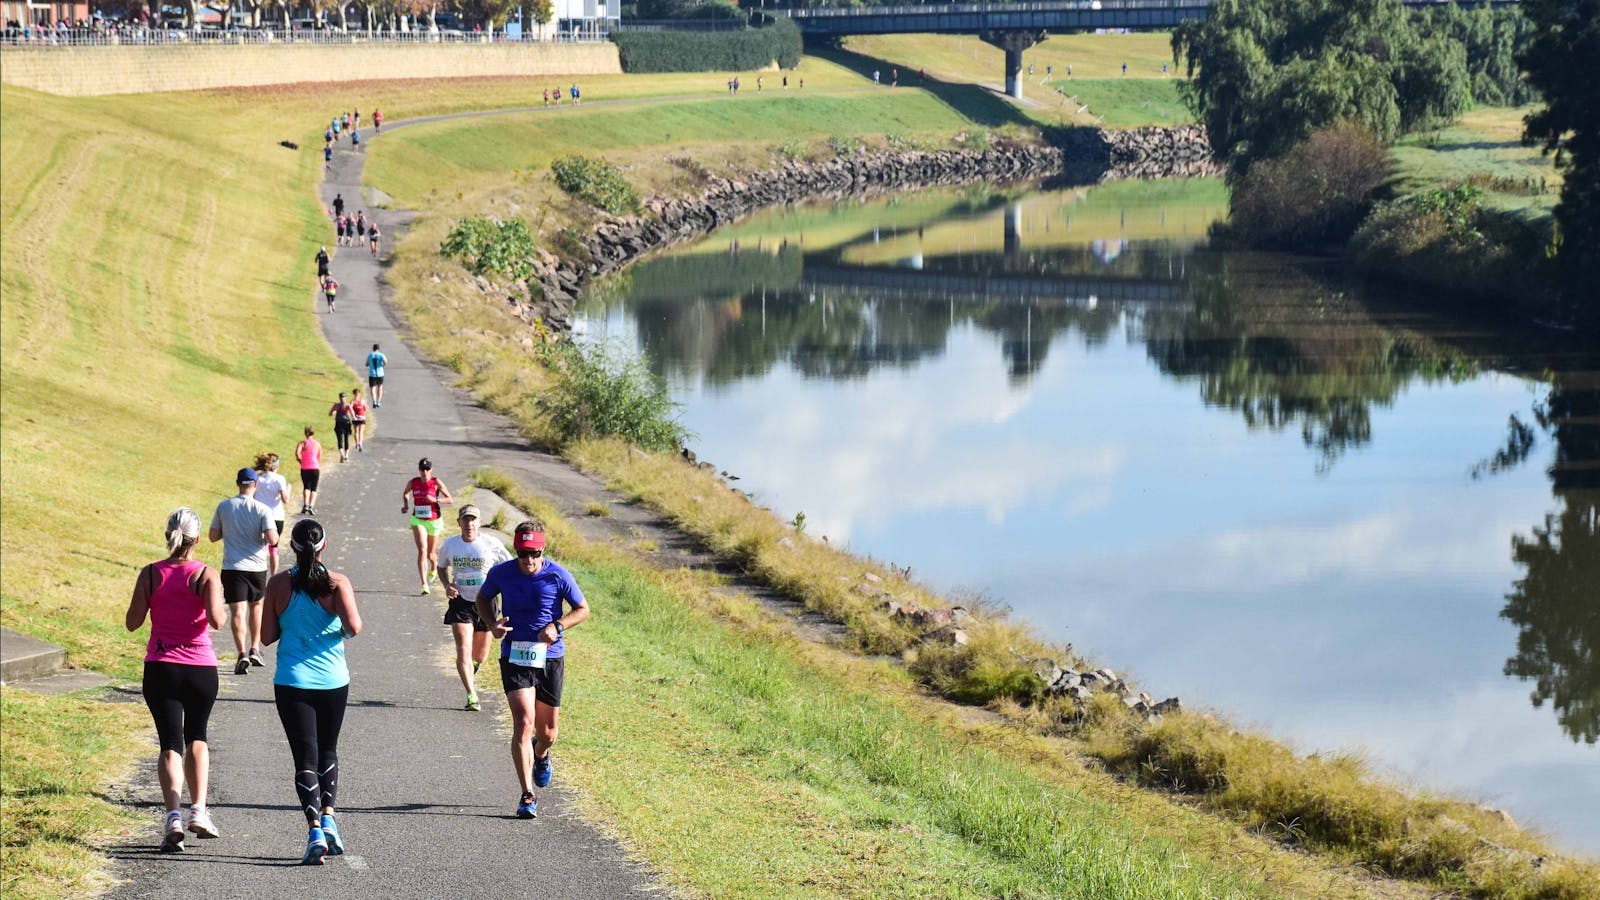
{"x": 1081, "y": 157}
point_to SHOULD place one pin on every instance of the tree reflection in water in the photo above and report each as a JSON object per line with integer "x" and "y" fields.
{"x": 1556, "y": 602}
{"x": 1265, "y": 337}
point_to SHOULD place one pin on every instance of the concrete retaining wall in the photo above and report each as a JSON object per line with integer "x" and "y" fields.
{"x": 90, "y": 71}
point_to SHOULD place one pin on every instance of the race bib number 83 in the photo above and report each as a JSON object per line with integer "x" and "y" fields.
{"x": 529, "y": 654}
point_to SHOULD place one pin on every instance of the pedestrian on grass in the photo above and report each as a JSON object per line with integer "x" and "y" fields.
{"x": 546, "y": 96}
{"x": 246, "y": 529}
{"x": 377, "y": 121}
{"x": 182, "y": 597}
{"x": 577, "y": 97}
{"x": 532, "y": 591}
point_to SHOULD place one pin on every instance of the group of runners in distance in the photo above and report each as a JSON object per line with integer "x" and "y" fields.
{"x": 347, "y": 124}
{"x": 310, "y": 612}
{"x": 553, "y": 95}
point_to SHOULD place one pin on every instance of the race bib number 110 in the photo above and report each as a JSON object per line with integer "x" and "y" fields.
{"x": 529, "y": 654}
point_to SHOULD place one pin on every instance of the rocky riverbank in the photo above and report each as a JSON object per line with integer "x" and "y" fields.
{"x": 1081, "y": 156}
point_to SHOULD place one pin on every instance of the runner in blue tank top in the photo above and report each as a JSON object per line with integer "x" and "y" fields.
{"x": 310, "y": 612}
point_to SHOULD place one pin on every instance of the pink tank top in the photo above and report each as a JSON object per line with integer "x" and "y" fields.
{"x": 179, "y": 632}
{"x": 310, "y": 454}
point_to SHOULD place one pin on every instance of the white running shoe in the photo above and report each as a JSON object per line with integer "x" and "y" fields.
{"x": 200, "y": 823}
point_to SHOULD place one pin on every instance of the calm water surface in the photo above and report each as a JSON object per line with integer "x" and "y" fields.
{"x": 1238, "y": 478}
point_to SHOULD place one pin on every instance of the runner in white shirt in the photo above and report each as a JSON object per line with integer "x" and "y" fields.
{"x": 271, "y": 490}
{"x": 464, "y": 559}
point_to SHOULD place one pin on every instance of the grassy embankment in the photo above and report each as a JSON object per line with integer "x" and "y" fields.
{"x": 1501, "y": 252}
{"x": 1333, "y": 804}
{"x": 1097, "y": 93}
{"x": 156, "y": 333}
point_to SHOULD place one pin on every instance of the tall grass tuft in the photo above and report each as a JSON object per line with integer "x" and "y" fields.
{"x": 602, "y": 390}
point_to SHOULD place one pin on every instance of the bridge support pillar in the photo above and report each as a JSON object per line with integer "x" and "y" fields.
{"x": 1013, "y": 43}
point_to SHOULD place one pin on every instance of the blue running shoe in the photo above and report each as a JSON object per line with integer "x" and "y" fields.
{"x": 542, "y": 770}
{"x": 330, "y": 833}
{"x": 528, "y": 808}
{"x": 316, "y": 848}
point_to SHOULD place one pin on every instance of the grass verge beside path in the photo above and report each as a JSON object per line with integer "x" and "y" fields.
{"x": 58, "y": 752}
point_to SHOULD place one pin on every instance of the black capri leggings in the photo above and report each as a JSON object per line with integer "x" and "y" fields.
{"x": 180, "y": 698}
{"x": 342, "y": 432}
{"x": 311, "y": 720}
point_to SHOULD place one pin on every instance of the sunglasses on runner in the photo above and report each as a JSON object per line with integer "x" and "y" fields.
{"x": 529, "y": 554}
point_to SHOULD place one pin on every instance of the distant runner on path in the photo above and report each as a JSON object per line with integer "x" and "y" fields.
{"x": 421, "y": 498}
{"x": 532, "y": 590}
{"x": 464, "y": 560}
{"x": 322, "y": 263}
{"x": 309, "y": 454}
{"x": 273, "y": 490}
{"x": 181, "y": 596}
{"x": 311, "y": 613}
{"x": 343, "y": 424}
{"x": 245, "y": 527}
{"x": 358, "y": 416}
{"x": 375, "y": 364}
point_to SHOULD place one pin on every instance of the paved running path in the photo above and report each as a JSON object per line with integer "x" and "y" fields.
{"x": 426, "y": 790}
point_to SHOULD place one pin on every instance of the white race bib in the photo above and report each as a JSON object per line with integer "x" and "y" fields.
{"x": 529, "y": 654}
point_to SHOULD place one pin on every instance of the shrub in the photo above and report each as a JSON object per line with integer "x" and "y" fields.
{"x": 604, "y": 391}
{"x": 1315, "y": 194}
{"x": 844, "y": 146}
{"x": 490, "y": 245}
{"x": 715, "y": 51}
{"x": 595, "y": 182}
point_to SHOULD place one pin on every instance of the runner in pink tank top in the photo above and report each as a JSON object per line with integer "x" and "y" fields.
{"x": 181, "y": 597}
{"x": 309, "y": 453}
{"x": 178, "y": 626}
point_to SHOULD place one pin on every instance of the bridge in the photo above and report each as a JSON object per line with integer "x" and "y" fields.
{"x": 1014, "y": 27}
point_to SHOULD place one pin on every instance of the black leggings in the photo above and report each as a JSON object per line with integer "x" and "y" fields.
{"x": 311, "y": 720}
{"x": 180, "y": 698}
{"x": 342, "y": 432}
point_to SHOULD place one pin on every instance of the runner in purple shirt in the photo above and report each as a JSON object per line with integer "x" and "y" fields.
{"x": 531, "y": 591}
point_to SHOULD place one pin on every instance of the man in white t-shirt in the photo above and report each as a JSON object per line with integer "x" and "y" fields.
{"x": 463, "y": 561}
{"x": 246, "y": 529}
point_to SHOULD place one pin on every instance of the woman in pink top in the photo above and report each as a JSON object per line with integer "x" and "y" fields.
{"x": 181, "y": 597}
{"x": 309, "y": 453}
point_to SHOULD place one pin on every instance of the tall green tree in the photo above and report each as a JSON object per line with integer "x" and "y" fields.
{"x": 1265, "y": 74}
{"x": 1560, "y": 62}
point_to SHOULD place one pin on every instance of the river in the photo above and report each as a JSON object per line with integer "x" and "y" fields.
{"x": 1243, "y": 479}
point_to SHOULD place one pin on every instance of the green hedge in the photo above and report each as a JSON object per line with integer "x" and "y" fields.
{"x": 710, "y": 51}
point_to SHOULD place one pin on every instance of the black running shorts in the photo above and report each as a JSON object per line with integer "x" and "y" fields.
{"x": 462, "y": 611}
{"x": 237, "y": 586}
{"x": 546, "y": 682}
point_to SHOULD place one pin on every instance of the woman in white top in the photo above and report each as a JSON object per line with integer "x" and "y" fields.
{"x": 272, "y": 489}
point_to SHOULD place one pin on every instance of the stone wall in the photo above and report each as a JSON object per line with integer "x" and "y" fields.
{"x": 91, "y": 71}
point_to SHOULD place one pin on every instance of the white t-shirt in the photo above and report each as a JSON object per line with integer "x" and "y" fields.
{"x": 469, "y": 563}
{"x": 271, "y": 488}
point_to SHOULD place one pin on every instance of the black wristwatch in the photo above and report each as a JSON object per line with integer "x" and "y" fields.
{"x": 559, "y": 629}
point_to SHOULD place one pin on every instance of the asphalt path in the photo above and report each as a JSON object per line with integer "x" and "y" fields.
{"x": 426, "y": 790}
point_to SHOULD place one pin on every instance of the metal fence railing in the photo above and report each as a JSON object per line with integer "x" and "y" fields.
{"x": 44, "y": 38}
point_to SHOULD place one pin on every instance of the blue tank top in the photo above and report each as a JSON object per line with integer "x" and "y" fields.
{"x": 311, "y": 647}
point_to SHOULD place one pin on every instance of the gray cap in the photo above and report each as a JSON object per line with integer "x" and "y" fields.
{"x": 468, "y": 511}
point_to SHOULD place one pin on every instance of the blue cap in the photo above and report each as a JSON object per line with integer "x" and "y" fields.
{"x": 246, "y": 476}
